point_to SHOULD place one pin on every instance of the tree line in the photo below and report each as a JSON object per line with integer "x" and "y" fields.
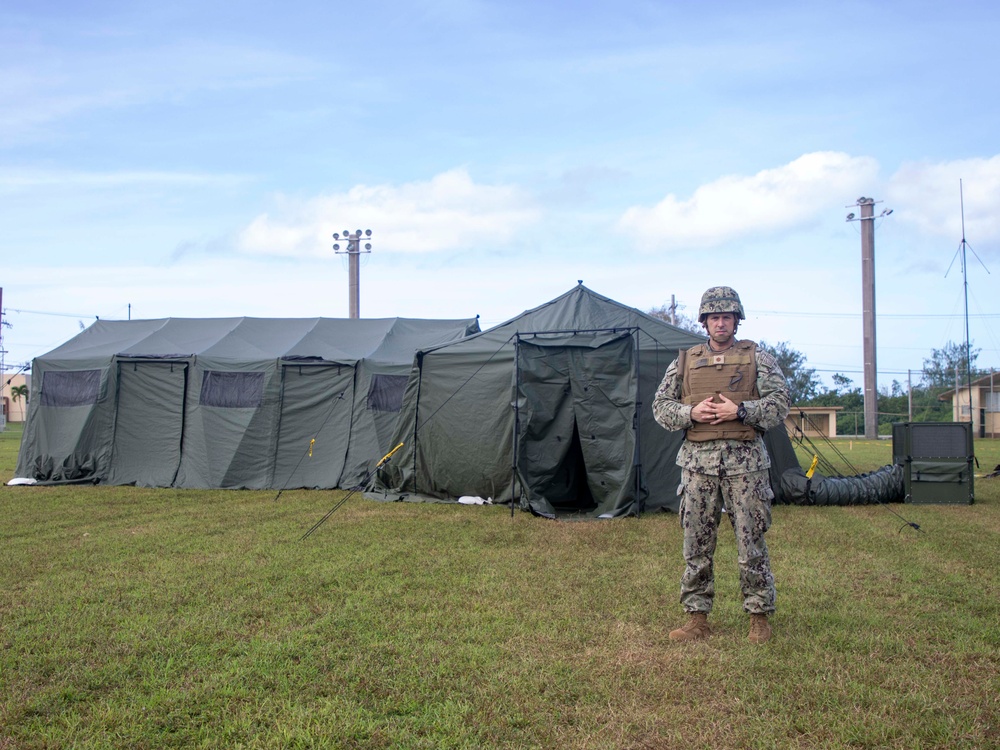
{"x": 937, "y": 376}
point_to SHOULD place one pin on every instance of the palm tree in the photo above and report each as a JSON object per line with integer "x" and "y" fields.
{"x": 17, "y": 392}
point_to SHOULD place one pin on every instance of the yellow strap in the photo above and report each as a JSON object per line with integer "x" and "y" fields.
{"x": 311, "y": 444}
{"x": 812, "y": 467}
{"x": 388, "y": 455}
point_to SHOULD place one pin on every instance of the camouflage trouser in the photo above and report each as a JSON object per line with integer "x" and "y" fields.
{"x": 747, "y": 499}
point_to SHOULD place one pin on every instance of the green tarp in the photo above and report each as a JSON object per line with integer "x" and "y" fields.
{"x": 223, "y": 402}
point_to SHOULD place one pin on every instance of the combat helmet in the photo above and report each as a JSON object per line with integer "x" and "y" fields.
{"x": 720, "y": 299}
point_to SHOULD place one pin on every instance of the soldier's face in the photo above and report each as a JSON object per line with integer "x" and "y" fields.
{"x": 721, "y": 327}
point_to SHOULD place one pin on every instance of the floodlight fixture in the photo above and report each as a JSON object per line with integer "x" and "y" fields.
{"x": 353, "y": 250}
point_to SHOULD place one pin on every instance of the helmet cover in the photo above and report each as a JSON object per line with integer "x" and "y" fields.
{"x": 720, "y": 299}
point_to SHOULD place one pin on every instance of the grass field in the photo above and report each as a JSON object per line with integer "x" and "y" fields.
{"x": 138, "y": 618}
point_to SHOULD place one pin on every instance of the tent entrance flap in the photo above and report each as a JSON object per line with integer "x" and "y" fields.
{"x": 149, "y": 422}
{"x": 315, "y": 425}
{"x": 575, "y": 427}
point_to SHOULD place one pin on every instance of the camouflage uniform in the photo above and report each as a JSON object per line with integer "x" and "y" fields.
{"x": 731, "y": 474}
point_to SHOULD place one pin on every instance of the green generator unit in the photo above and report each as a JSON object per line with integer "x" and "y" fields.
{"x": 937, "y": 461}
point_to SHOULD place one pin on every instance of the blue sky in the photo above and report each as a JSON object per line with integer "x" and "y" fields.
{"x": 193, "y": 159}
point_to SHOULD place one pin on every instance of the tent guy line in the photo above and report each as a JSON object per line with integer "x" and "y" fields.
{"x": 382, "y": 462}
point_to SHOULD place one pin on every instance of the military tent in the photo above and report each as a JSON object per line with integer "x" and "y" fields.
{"x": 223, "y": 402}
{"x": 552, "y": 408}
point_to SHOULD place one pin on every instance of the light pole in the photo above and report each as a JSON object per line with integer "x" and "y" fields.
{"x": 867, "y": 219}
{"x": 353, "y": 250}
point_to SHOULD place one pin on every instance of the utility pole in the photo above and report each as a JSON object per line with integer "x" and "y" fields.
{"x": 909, "y": 396}
{"x": 958, "y": 396}
{"x": 867, "y": 219}
{"x": 354, "y": 273}
{"x": 3, "y": 373}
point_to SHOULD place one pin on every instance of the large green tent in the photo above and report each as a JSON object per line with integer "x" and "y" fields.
{"x": 552, "y": 408}
{"x": 223, "y": 402}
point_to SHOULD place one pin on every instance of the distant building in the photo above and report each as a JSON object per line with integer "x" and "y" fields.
{"x": 812, "y": 421}
{"x": 978, "y": 403}
{"x": 15, "y": 411}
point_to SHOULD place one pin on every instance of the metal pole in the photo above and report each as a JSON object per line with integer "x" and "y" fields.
{"x": 958, "y": 398}
{"x": 355, "y": 277}
{"x": 3, "y": 369}
{"x": 867, "y": 206}
{"x": 993, "y": 419}
{"x": 965, "y": 285}
{"x": 909, "y": 395}
{"x": 353, "y": 251}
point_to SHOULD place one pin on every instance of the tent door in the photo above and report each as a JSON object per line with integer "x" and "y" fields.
{"x": 315, "y": 428}
{"x": 149, "y": 422}
{"x": 569, "y": 490}
{"x": 576, "y": 434}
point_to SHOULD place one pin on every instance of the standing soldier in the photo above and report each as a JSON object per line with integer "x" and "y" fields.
{"x": 724, "y": 394}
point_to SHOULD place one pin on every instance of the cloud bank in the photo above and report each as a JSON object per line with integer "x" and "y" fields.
{"x": 930, "y": 196}
{"x": 735, "y": 206}
{"x": 448, "y": 212}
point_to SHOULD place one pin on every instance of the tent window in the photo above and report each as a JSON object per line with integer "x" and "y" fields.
{"x": 73, "y": 388}
{"x": 386, "y": 392}
{"x": 233, "y": 390}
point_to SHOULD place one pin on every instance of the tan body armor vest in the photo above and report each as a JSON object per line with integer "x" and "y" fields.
{"x": 706, "y": 374}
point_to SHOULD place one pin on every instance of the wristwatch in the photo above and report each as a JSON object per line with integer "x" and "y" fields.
{"x": 741, "y": 413}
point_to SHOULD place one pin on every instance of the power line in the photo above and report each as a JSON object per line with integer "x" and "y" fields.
{"x": 906, "y": 316}
{"x": 56, "y": 314}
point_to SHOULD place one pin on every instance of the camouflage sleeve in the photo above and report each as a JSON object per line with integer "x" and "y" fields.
{"x": 772, "y": 407}
{"x": 668, "y": 409}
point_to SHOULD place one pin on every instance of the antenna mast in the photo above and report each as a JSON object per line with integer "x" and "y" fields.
{"x": 963, "y": 245}
{"x": 965, "y": 289}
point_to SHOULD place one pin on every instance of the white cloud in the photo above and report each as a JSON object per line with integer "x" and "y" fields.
{"x": 446, "y": 213}
{"x": 928, "y": 196}
{"x": 736, "y": 206}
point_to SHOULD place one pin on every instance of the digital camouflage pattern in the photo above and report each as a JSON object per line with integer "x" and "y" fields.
{"x": 720, "y": 299}
{"x": 748, "y": 504}
{"x": 730, "y": 474}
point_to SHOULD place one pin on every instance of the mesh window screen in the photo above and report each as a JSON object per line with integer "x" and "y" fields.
{"x": 386, "y": 392}
{"x": 234, "y": 390}
{"x": 74, "y": 388}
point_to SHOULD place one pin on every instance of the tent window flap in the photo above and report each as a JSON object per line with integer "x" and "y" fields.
{"x": 233, "y": 390}
{"x": 71, "y": 388}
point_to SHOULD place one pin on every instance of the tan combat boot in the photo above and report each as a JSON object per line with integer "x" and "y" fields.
{"x": 696, "y": 628}
{"x": 760, "y": 629}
